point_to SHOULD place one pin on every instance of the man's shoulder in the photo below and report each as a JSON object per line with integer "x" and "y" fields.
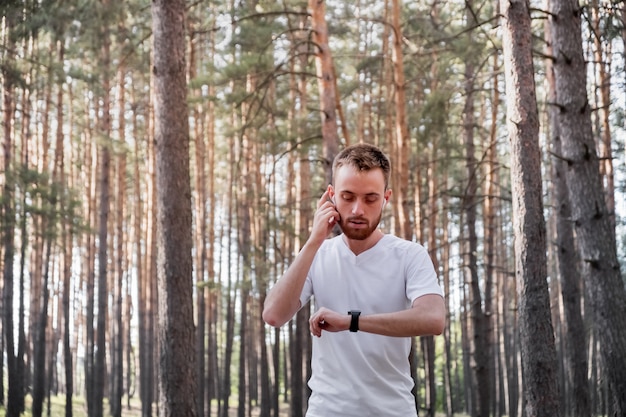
{"x": 393, "y": 241}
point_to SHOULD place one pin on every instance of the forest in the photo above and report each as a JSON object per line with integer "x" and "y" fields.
{"x": 161, "y": 162}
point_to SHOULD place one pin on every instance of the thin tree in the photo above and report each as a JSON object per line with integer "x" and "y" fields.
{"x": 67, "y": 234}
{"x": 104, "y": 164}
{"x": 592, "y": 222}
{"x": 117, "y": 325}
{"x": 15, "y": 391}
{"x": 536, "y": 334}
{"x": 575, "y": 398}
{"x": 201, "y": 213}
{"x": 177, "y": 378}
{"x": 401, "y": 137}
{"x": 326, "y": 83}
{"x": 478, "y": 314}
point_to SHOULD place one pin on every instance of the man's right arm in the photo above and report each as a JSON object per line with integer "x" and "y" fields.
{"x": 283, "y": 300}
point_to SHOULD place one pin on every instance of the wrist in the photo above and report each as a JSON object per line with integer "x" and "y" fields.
{"x": 354, "y": 320}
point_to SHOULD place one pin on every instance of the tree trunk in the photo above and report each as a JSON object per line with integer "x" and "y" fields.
{"x": 592, "y": 221}
{"x": 230, "y": 298}
{"x": 602, "y": 62}
{"x": 8, "y": 224}
{"x": 39, "y": 342}
{"x": 177, "y": 379}
{"x": 536, "y": 334}
{"x": 200, "y": 237}
{"x": 402, "y": 148}
{"x": 89, "y": 267}
{"x": 100, "y": 369}
{"x": 481, "y": 354}
{"x": 117, "y": 340}
{"x": 489, "y": 218}
{"x": 326, "y": 84}
{"x": 576, "y": 397}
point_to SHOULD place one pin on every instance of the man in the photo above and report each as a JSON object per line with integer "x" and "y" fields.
{"x": 372, "y": 292}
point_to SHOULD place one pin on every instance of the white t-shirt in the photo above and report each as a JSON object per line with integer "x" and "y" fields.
{"x": 362, "y": 374}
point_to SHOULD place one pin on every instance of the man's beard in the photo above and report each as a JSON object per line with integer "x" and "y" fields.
{"x": 359, "y": 234}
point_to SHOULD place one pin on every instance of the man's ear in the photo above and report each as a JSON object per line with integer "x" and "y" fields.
{"x": 331, "y": 193}
{"x": 387, "y": 196}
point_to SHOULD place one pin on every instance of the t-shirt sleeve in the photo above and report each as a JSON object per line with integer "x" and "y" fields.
{"x": 421, "y": 275}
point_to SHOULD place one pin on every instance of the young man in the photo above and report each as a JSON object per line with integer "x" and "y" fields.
{"x": 372, "y": 292}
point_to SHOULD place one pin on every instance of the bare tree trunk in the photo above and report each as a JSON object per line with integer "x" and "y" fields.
{"x": 450, "y": 405}
{"x": 39, "y": 343}
{"x": 103, "y": 231}
{"x": 244, "y": 233}
{"x": 479, "y": 319}
{"x": 212, "y": 294}
{"x": 593, "y": 226}
{"x": 402, "y": 148}
{"x": 8, "y": 223}
{"x": 141, "y": 227}
{"x": 536, "y": 334}
{"x": 568, "y": 263}
{"x": 117, "y": 336}
{"x": 602, "y": 61}
{"x": 230, "y": 298}
{"x": 200, "y": 237}
{"x": 489, "y": 219}
{"x": 177, "y": 379}
{"x": 89, "y": 267}
{"x": 326, "y": 84}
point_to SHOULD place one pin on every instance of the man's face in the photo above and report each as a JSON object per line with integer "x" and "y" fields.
{"x": 360, "y": 197}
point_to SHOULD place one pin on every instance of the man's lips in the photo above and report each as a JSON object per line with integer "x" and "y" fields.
{"x": 357, "y": 223}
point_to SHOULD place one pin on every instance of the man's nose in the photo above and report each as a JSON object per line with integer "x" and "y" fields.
{"x": 357, "y": 208}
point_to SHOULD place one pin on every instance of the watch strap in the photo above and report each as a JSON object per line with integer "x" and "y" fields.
{"x": 354, "y": 321}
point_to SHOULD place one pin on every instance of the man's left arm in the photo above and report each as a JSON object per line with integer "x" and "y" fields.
{"x": 426, "y": 317}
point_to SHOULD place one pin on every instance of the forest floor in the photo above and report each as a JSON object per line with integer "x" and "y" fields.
{"x": 79, "y": 409}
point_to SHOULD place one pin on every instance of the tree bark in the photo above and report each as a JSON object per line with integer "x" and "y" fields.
{"x": 177, "y": 379}
{"x": 402, "y": 148}
{"x": 592, "y": 221}
{"x": 576, "y": 399}
{"x": 8, "y": 224}
{"x": 117, "y": 336}
{"x": 326, "y": 84}
{"x": 479, "y": 320}
{"x": 536, "y": 334}
{"x": 602, "y": 61}
{"x": 100, "y": 368}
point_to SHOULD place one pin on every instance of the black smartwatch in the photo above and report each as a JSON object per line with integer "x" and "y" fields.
{"x": 354, "y": 322}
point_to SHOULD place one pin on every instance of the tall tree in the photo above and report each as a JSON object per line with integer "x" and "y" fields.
{"x": 104, "y": 164}
{"x": 326, "y": 82}
{"x": 479, "y": 318}
{"x": 117, "y": 327}
{"x": 575, "y": 396}
{"x": 592, "y": 221}
{"x": 10, "y": 80}
{"x": 536, "y": 334}
{"x": 402, "y": 140}
{"x": 177, "y": 379}
{"x": 67, "y": 235}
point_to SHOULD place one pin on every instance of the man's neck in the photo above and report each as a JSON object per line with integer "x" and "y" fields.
{"x": 360, "y": 246}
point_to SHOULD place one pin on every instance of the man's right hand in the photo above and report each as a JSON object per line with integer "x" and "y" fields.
{"x": 326, "y": 216}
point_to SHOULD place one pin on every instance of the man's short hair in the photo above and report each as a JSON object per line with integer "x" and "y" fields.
{"x": 364, "y": 157}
